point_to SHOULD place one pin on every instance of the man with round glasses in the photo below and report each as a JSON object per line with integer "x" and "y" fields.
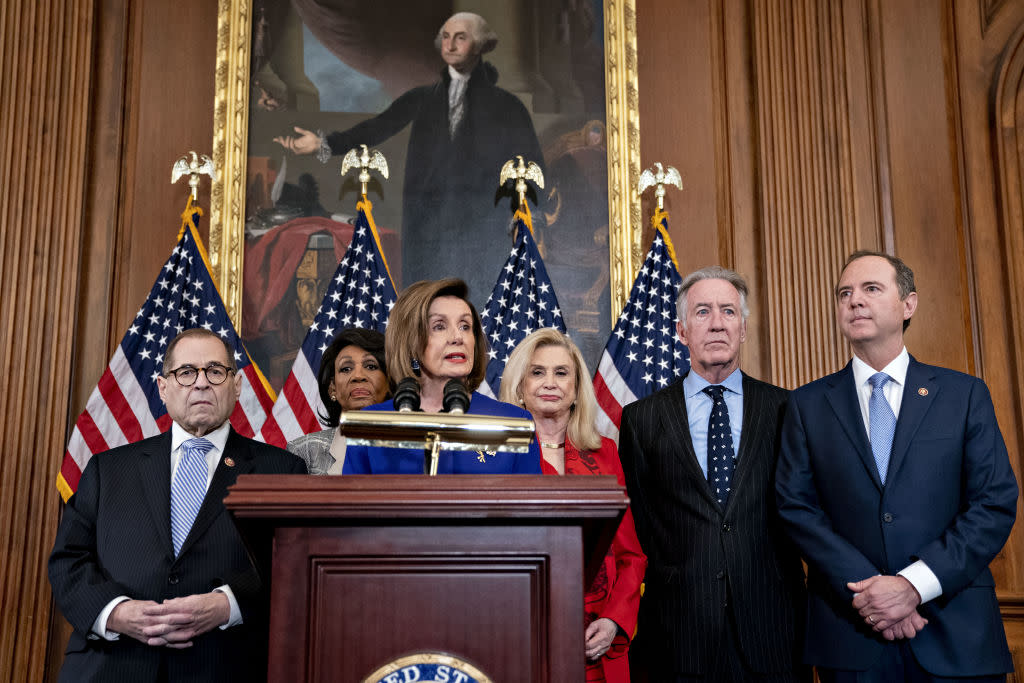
{"x": 148, "y": 566}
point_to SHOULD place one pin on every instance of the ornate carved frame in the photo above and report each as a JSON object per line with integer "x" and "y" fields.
{"x": 230, "y": 136}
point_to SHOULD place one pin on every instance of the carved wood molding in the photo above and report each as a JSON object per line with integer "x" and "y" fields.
{"x": 1008, "y": 138}
{"x": 47, "y": 65}
{"x": 810, "y": 184}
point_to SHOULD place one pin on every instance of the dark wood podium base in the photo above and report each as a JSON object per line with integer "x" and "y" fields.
{"x": 368, "y": 569}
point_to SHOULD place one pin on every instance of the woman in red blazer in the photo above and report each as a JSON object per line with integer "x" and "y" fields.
{"x": 546, "y": 374}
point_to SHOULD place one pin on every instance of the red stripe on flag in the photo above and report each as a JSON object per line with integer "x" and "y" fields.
{"x": 119, "y": 408}
{"x": 164, "y": 422}
{"x": 266, "y": 402}
{"x": 70, "y": 472}
{"x": 91, "y": 435}
{"x": 302, "y": 410}
{"x": 607, "y": 400}
{"x": 240, "y": 421}
{"x": 272, "y": 434}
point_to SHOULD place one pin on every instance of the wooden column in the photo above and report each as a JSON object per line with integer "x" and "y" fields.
{"x": 46, "y": 50}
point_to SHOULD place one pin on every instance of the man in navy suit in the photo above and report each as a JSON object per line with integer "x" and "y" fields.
{"x": 149, "y": 569}
{"x": 895, "y": 483}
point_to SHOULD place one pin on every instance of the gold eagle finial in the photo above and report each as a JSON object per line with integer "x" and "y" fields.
{"x": 198, "y": 165}
{"x": 364, "y": 162}
{"x": 660, "y": 176}
{"x": 521, "y": 172}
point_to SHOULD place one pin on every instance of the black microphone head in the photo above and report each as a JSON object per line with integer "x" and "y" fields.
{"x": 407, "y": 395}
{"x": 456, "y": 398}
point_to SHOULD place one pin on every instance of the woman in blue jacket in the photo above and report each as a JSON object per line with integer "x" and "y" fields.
{"x": 435, "y": 334}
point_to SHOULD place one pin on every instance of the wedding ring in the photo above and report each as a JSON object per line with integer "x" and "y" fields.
{"x": 871, "y": 619}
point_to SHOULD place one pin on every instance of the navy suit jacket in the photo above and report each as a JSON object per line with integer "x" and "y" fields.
{"x": 949, "y": 500}
{"x": 380, "y": 460}
{"x": 115, "y": 539}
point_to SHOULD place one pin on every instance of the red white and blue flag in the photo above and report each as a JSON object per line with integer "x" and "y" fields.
{"x": 522, "y": 301}
{"x": 125, "y": 406}
{"x": 361, "y": 294}
{"x": 644, "y": 352}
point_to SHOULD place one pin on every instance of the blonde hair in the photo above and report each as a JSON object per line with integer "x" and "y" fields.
{"x": 582, "y": 431}
{"x": 406, "y": 335}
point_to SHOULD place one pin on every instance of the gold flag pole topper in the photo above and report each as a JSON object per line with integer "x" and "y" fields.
{"x": 658, "y": 177}
{"x": 196, "y": 166}
{"x": 364, "y": 162}
{"x": 521, "y": 172}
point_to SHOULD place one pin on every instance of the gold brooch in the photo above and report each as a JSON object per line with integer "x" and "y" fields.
{"x": 922, "y": 392}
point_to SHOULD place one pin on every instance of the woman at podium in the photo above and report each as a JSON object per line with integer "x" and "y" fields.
{"x": 352, "y": 376}
{"x": 547, "y": 374}
{"x": 433, "y": 336}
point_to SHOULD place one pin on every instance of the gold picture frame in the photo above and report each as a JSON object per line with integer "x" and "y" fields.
{"x": 230, "y": 140}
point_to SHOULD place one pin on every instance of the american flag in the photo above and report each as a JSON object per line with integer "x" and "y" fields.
{"x": 361, "y": 294}
{"x": 644, "y": 352}
{"x": 125, "y": 406}
{"x": 523, "y": 300}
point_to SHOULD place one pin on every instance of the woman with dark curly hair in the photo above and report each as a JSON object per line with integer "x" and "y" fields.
{"x": 352, "y": 375}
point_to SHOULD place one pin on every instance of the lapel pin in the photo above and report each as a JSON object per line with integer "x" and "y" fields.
{"x": 922, "y": 392}
{"x": 231, "y": 463}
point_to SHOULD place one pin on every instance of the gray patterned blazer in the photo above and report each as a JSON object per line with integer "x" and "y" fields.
{"x": 323, "y": 451}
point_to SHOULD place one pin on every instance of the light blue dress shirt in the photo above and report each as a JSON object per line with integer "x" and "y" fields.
{"x": 698, "y": 410}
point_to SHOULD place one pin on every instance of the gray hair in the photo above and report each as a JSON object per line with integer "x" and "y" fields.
{"x": 711, "y": 273}
{"x": 484, "y": 38}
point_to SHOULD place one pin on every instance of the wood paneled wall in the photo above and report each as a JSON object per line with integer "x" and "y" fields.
{"x": 802, "y": 128}
{"x": 46, "y": 52}
{"x": 805, "y": 129}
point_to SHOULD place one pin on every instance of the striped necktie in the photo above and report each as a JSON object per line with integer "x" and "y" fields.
{"x": 188, "y": 489}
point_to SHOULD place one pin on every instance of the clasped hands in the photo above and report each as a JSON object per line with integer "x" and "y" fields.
{"x": 172, "y": 623}
{"x": 888, "y": 605}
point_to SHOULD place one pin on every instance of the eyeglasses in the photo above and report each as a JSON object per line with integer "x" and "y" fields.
{"x": 187, "y": 375}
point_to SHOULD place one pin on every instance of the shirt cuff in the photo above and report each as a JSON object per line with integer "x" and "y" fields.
{"x": 99, "y": 627}
{"x": 923, "y": 580}
{"x": 236, "y": 614}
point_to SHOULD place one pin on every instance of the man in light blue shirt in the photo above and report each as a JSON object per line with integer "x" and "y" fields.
{"x": 724, "y": 590}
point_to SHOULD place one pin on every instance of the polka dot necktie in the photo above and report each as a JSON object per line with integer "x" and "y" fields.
{"x": 720, "y": 451}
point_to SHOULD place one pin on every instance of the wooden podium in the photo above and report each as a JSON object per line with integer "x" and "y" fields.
{"x": 367, "y": 569}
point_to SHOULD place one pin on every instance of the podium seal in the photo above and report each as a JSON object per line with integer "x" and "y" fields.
{"x": 428, "y": 666}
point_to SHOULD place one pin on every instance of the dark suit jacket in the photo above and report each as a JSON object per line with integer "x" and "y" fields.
{"x": 949, "y": 499}
{"x": 707, "y": 565}
{"x": 115, "y": 539}
{"x": 449, "y": 196}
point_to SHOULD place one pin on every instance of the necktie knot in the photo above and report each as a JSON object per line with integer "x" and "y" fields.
{"x": 715, "y": 391}
{"x": 198, "y": 445}
{"x": 878, "y": 380}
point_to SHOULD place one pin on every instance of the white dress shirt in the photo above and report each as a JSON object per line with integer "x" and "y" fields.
{"x": 917, "y": 573}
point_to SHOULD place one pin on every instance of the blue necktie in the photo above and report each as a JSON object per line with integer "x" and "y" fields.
{"x": 188, "y": 489}
{"x": 882, "y": 422}
{"x": 720, "y": 450}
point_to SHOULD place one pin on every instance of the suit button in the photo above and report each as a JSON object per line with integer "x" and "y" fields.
{"x": 887, "y": 517}
{"x": 720, "y": 576}
{"x": 173, "y": 579}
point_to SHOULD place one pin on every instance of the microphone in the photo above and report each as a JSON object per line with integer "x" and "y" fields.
{"x": 456, "y": 398}
{"x": 407, "y": 395}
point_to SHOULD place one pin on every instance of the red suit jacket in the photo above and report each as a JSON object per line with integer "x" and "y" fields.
{"x": 615, "y": 593}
